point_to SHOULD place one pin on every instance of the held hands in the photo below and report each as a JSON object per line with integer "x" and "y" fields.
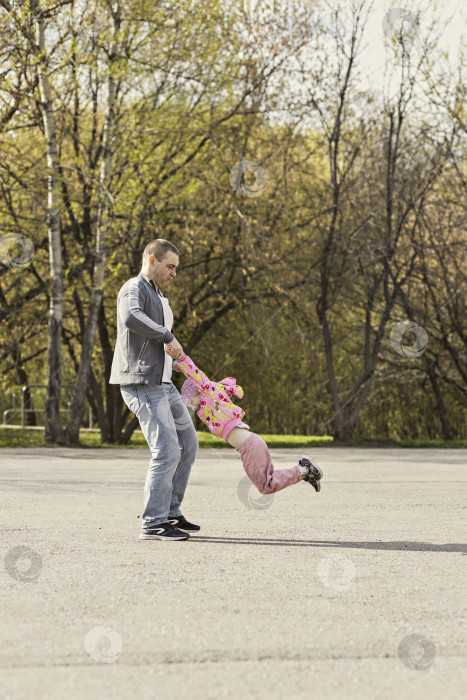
{"x": 174, "y": 349}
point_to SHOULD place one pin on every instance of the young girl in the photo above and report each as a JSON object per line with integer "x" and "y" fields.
{"x": 212, "y": 402}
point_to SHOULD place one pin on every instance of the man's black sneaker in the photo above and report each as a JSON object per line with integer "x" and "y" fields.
{"x": 314, "y": 472}
{"x": 164, "y": 531}
{"x": 179, "y": 521}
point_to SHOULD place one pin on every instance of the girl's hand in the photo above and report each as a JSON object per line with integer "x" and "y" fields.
{"x": 195, "y": 402}
{"x": 174, "y": 349}
{"x": 176, "y": 366}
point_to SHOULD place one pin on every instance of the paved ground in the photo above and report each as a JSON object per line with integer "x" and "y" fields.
{"x": 295, "y": 595}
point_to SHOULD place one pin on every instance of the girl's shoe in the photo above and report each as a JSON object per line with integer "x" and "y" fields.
{"x": 314, "y": 474}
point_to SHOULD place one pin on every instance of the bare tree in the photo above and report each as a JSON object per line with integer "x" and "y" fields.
{"x": 104, "y": 201}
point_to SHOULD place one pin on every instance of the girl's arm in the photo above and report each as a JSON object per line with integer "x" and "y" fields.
{"x": 194, "y": 374}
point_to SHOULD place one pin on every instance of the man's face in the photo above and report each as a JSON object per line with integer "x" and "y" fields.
{"x": 163, "y": 271}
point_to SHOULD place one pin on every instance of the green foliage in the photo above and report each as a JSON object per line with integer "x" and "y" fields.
{"x": 195, "y": 97}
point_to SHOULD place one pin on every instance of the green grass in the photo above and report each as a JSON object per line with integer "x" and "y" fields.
{"x": 12, "y": 437}
{"x": 410, "y": 442}
{"x": 209, "y": 440}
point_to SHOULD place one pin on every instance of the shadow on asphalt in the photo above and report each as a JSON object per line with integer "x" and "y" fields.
{"x": 396, "y": 546}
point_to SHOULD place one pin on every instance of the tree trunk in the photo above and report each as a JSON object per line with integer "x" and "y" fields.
{"x": 53, "y": 431}
{"x": 113, "y": 405}
{"x": 82, "y": 379}
{"x": 129, "y": 430}
{"x": 22, "y": 379}
{"x": 96, "y": 393}
{"x": 441, "y": 408}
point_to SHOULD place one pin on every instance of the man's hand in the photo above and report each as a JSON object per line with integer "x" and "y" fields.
{"x": 174, "y": 349}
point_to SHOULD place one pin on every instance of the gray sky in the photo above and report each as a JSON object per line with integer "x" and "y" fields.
{"x": 373, "y": 54}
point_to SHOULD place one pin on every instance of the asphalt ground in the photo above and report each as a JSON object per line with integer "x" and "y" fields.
{"x": 356, "y": 592}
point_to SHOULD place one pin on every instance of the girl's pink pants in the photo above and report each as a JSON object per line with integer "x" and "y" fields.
{"x": 259, "y": 467}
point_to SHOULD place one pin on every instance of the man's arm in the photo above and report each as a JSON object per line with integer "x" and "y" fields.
{"x": 130, "y": 309}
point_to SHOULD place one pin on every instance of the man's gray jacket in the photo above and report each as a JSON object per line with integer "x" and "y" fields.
{"x": 139, "y": 351}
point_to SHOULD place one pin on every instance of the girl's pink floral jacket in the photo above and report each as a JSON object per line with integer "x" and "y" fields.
{"x": 217, "y": 410}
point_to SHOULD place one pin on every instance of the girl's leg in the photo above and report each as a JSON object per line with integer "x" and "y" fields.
{"x": 257, "y": 463}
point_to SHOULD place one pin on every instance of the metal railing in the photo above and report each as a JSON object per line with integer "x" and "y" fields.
{"x": 24, "y": 401}
{"x": 10, "y": 410}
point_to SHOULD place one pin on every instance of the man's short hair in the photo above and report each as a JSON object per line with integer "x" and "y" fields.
{"x": 159, "y": 247}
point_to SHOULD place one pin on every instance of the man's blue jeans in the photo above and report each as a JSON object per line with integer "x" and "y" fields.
{"x": 172, "y": 439}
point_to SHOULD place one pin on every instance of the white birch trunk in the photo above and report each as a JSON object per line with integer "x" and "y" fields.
{"x": 79, "y": 396}
{"x": 53, "y": 431}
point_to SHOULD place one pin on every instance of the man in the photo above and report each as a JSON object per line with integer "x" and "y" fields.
{"x": 144, "y": 370}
